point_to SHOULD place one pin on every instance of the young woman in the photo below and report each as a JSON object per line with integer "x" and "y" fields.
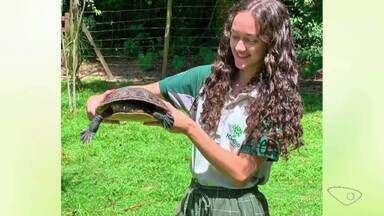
{"x": 244, "y": 111}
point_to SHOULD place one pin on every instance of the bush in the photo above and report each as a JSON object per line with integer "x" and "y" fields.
{"x": 182, "y": 45}
{"x": 147, "y": 60}
{"x": 206, "y": 54}
{"x": 308, "y": 37}
{"x": 131, "y": 47}
{"x": 90, "y": 22}
{"x": 307, "y": 31}
{"x": 178, "y": 62}
{"x": 306, "y": 20}
{"x": 310, "y": 69}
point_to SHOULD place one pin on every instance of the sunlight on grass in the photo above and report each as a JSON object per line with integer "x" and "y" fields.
{"x": 131, "y": 169}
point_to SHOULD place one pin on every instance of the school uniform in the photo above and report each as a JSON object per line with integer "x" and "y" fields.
{"x": 210, "y": 192}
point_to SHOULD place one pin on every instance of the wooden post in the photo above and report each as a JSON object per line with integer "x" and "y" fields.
{"x": 166, "y": 38}
{"x": 97, "y": 51}
{"x": 65, "y": 19}
{"x": 64, "y": 31}
{"x": 73, "y": 23}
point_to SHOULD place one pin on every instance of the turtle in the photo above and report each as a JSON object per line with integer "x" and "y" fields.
{"x": 128, "y": 104}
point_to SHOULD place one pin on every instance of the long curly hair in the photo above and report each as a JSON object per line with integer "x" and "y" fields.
{"x": 277, "y": 109}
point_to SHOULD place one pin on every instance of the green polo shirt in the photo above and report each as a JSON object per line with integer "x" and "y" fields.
{"x": 182, "y": 90}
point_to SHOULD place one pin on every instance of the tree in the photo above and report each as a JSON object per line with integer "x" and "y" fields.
{"x": 71, "y": 45}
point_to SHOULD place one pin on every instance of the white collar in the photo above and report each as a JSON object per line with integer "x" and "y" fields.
{"x": 241, "y": 95}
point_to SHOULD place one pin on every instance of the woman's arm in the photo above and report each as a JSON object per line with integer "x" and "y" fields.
{"x": 152, "y": 87}
{"x": 239, "y": 168}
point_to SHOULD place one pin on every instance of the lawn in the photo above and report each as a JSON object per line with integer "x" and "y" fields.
{"x": 131, "y": 169}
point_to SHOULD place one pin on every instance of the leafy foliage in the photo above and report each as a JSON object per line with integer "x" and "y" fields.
{"x": 182, "y": 45}
{"x": 178, "y": 62}
{"x": 307, "y": 26}
{"x": 131, "y": 47}
{"x": 206, "y": 54}
{"x": 147, "y": 60}
{"x": 193, "y": 27}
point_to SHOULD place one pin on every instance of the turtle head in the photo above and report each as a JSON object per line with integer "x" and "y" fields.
{"x": 88, "y": 133}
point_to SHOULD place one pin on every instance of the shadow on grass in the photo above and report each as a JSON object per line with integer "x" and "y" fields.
{"x": 312, "y": 102}
{"x": 96, "y": 86}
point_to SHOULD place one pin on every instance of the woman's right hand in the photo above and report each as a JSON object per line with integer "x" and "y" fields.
{"x": 94, "y": 101}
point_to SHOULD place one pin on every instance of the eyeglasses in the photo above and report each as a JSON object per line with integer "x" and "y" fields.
{"x": 248, "y": 41}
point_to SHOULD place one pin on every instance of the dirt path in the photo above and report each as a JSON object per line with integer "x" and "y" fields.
{"x": 129, "y": 72}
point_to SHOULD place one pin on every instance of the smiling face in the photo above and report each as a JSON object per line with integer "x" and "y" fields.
{"x": 247, "y": 48}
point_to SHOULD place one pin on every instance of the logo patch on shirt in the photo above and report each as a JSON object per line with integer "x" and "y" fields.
{"x": 235, "y": 134}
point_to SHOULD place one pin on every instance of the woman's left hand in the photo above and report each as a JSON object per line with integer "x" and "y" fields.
{"x": 182, "y": 122}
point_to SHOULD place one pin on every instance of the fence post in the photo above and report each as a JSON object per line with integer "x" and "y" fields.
{"x": 97, "y": 51}
{"x": 166, "y": 38}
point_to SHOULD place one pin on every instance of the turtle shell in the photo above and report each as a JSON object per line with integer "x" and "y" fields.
{"x": 130, "y": 95}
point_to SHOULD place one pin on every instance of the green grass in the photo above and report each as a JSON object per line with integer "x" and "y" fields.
{"x": 131, "y": 169}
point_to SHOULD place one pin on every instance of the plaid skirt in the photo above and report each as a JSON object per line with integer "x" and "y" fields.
{"x": 200, "y": 200}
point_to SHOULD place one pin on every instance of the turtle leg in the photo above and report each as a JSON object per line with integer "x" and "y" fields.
{"x": 166, "y": 119}
{"x": 88, "y": 133}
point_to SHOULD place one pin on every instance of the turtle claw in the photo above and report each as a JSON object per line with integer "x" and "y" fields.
{"x": 166, "y": 120}
{"x": 87, "y": 134}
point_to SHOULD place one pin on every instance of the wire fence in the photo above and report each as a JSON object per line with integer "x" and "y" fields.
{"x": 135, "y": 37}
{"x": 132, "y": 33}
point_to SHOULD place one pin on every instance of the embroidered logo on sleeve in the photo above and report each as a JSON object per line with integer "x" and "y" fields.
{"x": 235, "y": 133}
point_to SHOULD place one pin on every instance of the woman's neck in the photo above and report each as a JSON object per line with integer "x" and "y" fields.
{"x": 243, "y": 77}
